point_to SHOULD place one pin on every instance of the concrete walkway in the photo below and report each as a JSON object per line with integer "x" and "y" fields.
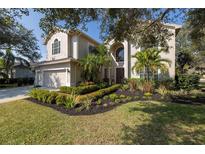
{"x": 12, "y": 94}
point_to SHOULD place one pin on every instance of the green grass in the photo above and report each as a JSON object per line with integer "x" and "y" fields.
{"x": 23, "y": 122}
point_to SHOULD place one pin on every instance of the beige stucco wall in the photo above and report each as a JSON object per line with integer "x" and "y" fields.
{"x": 131, "y": 49}
{"x": 63, "y": 38}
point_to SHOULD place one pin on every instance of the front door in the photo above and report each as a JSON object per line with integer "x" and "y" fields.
{"x": 119, "y": 75}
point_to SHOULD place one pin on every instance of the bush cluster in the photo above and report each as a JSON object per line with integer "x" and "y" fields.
{"x": 18, "y": 81}
{"x": 79, "y": 90}
{"x": 98, "y": 94}
{"x": 187, "y": 81}
{"x": 52, "y": 97}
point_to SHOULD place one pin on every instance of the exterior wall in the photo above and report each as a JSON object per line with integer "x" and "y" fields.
{"x": 75, "y": 75}
{"x": 84, "y": 47}
{"x": 20, "y": 72}
{"x": 131, "y": 49}
{"x": 171, "y": 54}
{"x": 63, "y": 38}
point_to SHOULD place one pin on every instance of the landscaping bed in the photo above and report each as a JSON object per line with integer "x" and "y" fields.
{"x": 91, "y": 98}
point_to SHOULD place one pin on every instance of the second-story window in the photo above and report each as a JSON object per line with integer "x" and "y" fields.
{"x": 56, "y": 47}
{"x": 120, "y": 54}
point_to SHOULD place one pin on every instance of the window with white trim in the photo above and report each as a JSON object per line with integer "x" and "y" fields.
{"x": 55, "y": 47}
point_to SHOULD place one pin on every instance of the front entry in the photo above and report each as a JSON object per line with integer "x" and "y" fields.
{"x": 119, "y": 75}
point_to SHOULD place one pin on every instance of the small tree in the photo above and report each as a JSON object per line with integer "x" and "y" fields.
{"x": 93, "y": 63}
{"x": 7, "y": 62}
{"x": 149, "y": 61}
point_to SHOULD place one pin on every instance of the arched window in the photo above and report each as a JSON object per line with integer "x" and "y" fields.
{"x": 56, "y": 47}
{"x": 120, "y": 54}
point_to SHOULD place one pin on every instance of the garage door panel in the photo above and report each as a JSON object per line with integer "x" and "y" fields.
{"x": 54, "y": 78}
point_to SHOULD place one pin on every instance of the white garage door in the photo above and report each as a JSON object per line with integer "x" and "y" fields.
{"x": 54, "y": 79}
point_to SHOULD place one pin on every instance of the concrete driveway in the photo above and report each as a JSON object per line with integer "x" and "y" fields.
{"x": 12, "y": 94}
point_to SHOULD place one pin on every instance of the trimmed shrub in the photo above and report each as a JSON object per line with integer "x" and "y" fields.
{"x": 113, "y": 97}
{"x": 18, "y": 81}
{"x": 86, "y": 83}
{"x": 168, "y": 83}
{"x": 79, "y": 90}
{"x": 188, "y": 82}
{"x": 66, "y": 89}
{"x": 98, "y": 94}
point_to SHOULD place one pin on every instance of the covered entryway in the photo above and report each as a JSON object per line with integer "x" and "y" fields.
{"x": 54, "y": 78}
{"x": 119, "y": 75}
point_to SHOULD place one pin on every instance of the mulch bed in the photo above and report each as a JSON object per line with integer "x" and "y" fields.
{"x": 107, "y": 105}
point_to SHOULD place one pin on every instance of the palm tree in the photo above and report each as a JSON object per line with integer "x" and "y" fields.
{"x": 93, "y": 63}
{"x": 7, "y": 61}
{"x": 149, "y": 61}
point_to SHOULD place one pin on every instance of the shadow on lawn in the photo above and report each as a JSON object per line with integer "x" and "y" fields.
{"x": 169, "y": 124}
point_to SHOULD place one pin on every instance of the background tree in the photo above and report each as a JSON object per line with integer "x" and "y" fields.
{"x": 142, "y": 26}
{"x": 188, "y": 56}
{"x": 16, "y": 37}
{"x": 7, "y": 63}
{"x": 149, "y": 61}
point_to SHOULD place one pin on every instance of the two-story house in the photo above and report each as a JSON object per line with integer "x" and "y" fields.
{"x": 65, "y": 48}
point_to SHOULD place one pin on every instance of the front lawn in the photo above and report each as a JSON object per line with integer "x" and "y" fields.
{"x": 24, "y": 122}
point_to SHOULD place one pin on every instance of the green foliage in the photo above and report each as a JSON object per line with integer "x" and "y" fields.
{"x": 188, "y": 82}
{"x": 87, "y": 104}
{"x": 102, "y": 85}
{"x": 117, "y": 101}
{"x": 70, "y": 101}
{"x": 114, "y": 23}
{"x": 148, "y": 87}
{"x": 133, "y": 84}
{"x": 168, "y": 83}
{"x": 52, "y": 97}
{"x": 15, "y": 37}
{"x": 147, "y": 95}
{"x": 86, "y": 83}
{"x": 149, "y": 61}
{"x": 99, "y": 101}
{"x": 122, "y": 96}
{"x": 79, "y": 90}
{"x": 93, "y": 62}
{"x": 113, "y": 97}
{"x": 61, "y": 99}
{"x": 125, "y": 87}
{"x": 39, "y": 94}
{"x": 162, "y": 90}
{"x": 98, "y": 94}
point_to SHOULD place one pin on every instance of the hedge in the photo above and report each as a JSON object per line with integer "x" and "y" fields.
{"x": 18, "y": 81}
{"x": 79, "y": 90}
{"x": 98, "y": 94}
{"x": 52, "y": 97}
{"x": 187, "y": 81}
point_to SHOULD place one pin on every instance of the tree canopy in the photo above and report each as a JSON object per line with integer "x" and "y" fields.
{"x": 143, "y": 26}
{"x": 15, "y": 36}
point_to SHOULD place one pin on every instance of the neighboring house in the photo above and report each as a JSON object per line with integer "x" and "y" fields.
{"x": 65, "y": 48}
{"x": 20, "y": 71}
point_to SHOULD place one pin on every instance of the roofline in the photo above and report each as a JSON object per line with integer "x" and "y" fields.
{"x": 52, "y": 62}
{"x": 70, "y": 32}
